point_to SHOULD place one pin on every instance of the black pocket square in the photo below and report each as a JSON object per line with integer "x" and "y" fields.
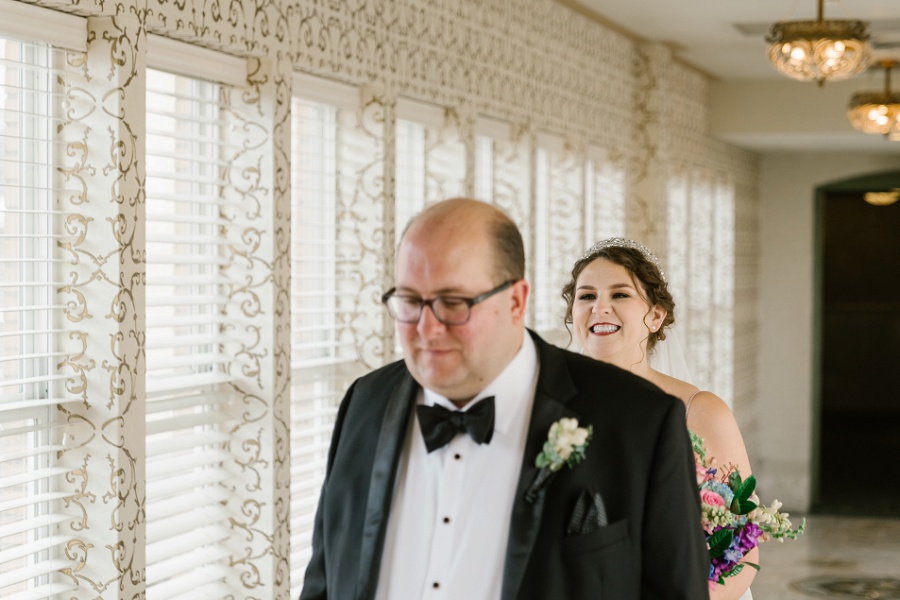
{"x": 589, "y": 514}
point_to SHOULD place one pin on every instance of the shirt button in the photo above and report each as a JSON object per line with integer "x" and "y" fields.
{"x": 446, "y": 519}
{"x": 457, "y": 456}
{"x": 435, "y": 585}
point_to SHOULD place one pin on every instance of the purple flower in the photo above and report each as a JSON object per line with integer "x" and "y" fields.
{"x": 733, "y": 555}
{"x": 747, "y": 537}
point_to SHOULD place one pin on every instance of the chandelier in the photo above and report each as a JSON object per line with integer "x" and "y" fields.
{"x": 882, "y": 198}
{"x": 819, "y": 50}
{"x": 877, "y": 112}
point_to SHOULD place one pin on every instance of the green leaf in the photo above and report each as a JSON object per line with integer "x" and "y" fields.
{"x": 736, "y": 570}
{"x": 750, "y": 564}
{"x": 719, "y": 542}
{"x": 746, "y": 489}
{"x": 742, "y": 493}
{"x": 747, "y": 507}
{"x": 697, "y": 446}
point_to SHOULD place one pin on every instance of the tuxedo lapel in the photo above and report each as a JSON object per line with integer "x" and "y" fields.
{"x": 381, "y": 487}
{"x": 554, "y": 389}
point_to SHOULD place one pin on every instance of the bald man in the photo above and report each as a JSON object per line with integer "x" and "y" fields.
{"x": 432, "y": 489}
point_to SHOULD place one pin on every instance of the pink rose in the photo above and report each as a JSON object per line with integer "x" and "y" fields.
{"x": 711, "y": 498}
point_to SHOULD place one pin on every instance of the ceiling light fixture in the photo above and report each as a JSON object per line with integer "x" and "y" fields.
{"x": 877, "y": 112}
{"x": 882, "y": 198}
{"x": 819, "y": 50}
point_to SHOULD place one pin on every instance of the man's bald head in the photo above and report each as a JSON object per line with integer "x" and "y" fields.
{"x": 457, "y": 218}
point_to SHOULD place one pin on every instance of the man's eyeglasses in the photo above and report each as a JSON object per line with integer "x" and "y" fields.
{"x": 449, "y": 310}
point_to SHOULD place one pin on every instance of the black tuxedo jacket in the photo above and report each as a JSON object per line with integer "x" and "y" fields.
{"x": 639, "y": 460}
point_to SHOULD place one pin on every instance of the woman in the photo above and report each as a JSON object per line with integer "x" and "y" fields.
{"x": 620, "y": 307}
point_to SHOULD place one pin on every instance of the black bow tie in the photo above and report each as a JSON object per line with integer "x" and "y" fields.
{"x": 440, "y": 425}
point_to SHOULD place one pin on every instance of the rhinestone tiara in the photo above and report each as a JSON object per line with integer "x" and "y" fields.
{"x": 620, "y": 242}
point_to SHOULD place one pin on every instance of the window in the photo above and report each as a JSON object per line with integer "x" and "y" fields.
{"x": 187, "y": 371}
{"x": 604, "y": 214}
{"x": 559, "y": 231}
{"x": 33, "y": 346}
{"x": 409, "y": 191}
{"x": 328, "y": 151}
{"x": 503, "y": 175}
{"x": 430, "y": 160}
{"x": 700, "y": 270}
{"x": 724, "y": 278}
{"x": 543, "y": 286}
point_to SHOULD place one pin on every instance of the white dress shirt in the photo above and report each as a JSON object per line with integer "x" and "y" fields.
{"x": 447, "y": 534}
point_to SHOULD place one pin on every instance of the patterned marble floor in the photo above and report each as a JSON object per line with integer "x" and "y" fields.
{"x": 837, "y": 557}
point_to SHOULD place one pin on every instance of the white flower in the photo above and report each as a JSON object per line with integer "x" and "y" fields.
{"x": 565, "y": 446}
{"x": 763, "y": 515}
{"x": 567, "y": 424}
{"x": 567, "y": 435}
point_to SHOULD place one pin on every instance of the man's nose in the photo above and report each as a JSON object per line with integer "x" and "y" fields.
{"x": 428, "y": 321}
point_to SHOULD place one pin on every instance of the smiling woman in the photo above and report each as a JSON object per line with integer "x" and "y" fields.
{"x": 620, "y": 307}
{"x": 614, "y": 322}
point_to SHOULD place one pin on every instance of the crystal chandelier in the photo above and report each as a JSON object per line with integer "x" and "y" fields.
{"x": 877, "y": 112}
{"x": 819, "y": 50}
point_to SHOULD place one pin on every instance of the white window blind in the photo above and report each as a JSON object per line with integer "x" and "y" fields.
{"x": 542, "y": 293}
{"x": 723, "y": 281}
{"x": 23, "y": 21}
{"x": 409, "y": 195}
{"x": 484, "y": 168}
{"x": 187, "y": 376}
{"x": 327, "y": 155}
{"x": 604, "y": 198}
{"x": 430, "y": 160}
{"x": 676, "y": 266}
{"x": 559, "y": 204}
{"x": 699, "y": 294}
{"x": 700, "y": 270}
{"x": 503, "y": 177}
{"x": 33, "y": 527}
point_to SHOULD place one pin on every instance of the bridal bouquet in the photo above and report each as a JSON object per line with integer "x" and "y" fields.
{"x": 734, "y": 520}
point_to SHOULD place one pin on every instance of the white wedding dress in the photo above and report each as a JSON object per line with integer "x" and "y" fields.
{"x": 670, "y": 359}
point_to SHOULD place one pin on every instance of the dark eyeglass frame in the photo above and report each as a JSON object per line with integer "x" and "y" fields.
{"x": 469, "y": 302}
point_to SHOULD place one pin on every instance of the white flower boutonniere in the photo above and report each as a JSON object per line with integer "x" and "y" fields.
{"x": 565, "y": 445}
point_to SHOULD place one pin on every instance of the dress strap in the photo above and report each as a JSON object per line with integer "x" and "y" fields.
{"x": 687, "y": 407}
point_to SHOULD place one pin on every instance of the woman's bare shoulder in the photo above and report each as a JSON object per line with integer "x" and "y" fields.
{"x": 712, "y": 420}
{"x": 712, "y": 410}
{"x": 675, "y": 387}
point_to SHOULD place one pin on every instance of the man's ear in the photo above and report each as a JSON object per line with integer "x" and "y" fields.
{"x": 519, "y": 301}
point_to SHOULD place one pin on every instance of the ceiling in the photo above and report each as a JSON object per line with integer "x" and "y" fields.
{"x": 726, "y": 40}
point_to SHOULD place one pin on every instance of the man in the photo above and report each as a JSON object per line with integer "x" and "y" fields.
{"x": 409, "y": 511}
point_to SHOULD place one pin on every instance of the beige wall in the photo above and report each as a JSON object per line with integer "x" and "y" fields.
{"x": 783, "y": 115}
{"x": 782, "y": 447}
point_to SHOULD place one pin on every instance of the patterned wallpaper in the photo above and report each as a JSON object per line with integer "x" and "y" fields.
{"x": 533, "y": 63}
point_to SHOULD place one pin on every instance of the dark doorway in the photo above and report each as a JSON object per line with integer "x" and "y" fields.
{"x": 859, "y": 366}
